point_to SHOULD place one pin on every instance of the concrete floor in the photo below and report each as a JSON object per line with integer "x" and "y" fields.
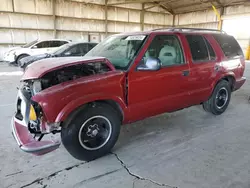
{"x": 186, "y": 149}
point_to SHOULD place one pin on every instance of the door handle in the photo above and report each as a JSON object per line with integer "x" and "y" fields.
{"x": 185, "y": 73}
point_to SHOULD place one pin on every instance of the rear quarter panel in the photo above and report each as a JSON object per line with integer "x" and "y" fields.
{"x": 233, "y": 67}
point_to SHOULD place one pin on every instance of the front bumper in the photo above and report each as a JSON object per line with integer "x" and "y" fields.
{"x": 27, "y": 143}
{"x": 9, "y": 58}
{"x": 23, "y": 137}
{"x": 239, "y": 83}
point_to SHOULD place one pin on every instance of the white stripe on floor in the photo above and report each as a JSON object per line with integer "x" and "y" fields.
{"x": 14, "y": 73}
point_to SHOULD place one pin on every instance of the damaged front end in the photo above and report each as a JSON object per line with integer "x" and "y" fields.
{"x": 29, "y": 124}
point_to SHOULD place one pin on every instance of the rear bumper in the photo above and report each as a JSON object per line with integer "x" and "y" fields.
{"x": 239, "y": 83}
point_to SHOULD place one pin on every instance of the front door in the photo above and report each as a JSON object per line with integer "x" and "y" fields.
{"x": 40, "y": 48}
{"x": 165, "y": 90}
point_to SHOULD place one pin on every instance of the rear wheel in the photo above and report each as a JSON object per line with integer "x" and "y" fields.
{"x": 220, "y": 98}
{"x": 92, "y": 132}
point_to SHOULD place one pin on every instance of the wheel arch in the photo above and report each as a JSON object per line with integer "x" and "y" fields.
{"x": 21, "y": 55}
{"x": 114, "y": 105}
{"x": 68, "y": 112}
{"x": 231, "y": 80}
{"x": 230, "y": 77}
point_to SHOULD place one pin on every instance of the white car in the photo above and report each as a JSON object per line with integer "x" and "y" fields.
{"x": 33, "y": 48}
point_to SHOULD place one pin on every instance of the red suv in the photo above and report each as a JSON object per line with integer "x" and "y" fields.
{"x": 126, "y": 78}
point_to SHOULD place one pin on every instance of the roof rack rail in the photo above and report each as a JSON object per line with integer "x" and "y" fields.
{"x": 188, "y": 28}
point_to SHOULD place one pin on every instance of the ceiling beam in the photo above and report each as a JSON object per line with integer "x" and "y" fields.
{"x": 218, "y": 2}
{"x": 179, "y": 11}
{"x": 149, "y": 7}
{"x": 191, "y": 5}
{"x": 165, "y": 7}
{"x": 134, "y": 2}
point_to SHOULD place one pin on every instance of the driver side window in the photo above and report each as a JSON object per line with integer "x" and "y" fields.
{"x": 73, "y": 51}
{"x": 167, "y": 49}
{"x": 44, "y": 44}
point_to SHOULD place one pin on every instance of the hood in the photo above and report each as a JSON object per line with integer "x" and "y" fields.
{"x": 41, "y": 67}
{"x": 11, "y": 49}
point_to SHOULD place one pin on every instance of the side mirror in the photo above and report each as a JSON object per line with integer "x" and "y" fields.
{"x": 151, "y": 64}
{"x": 34, "y": 47}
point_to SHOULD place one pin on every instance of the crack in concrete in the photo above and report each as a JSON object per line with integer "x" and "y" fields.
{"x": 139, "y": 177}
{"x": 96, "y": 177}
{"x": 14, "y": 173}
{"x": 134, "y": 182}
{"x": 40, "y": 180}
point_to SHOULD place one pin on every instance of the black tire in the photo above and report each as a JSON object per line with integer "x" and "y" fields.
{"x": 215, "y": 104}
{"x": 19, "y": 58}
{"x": 70, "y": 132}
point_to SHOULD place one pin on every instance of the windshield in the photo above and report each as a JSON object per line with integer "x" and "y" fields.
{"x": 29, "y": 44}
{"x": 119, "y": 50}
{"x": 61, "y": 49}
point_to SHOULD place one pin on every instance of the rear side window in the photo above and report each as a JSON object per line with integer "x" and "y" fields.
{"x": 198, "y": 47}
{"x": 229, "y": 45}
{"x": 211, "y": 52}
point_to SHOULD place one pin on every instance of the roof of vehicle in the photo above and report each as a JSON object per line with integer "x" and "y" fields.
{"x": 74, "y": 43}
{"x": 41, "y": 67}
{"x": 175, "y": 30}
{"x": 52, "y": 40}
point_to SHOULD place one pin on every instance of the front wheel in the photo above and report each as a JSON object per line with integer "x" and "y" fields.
{"x": 220, "y": 98}
{"x": 19, "y": 58}
{"x": 92, "y": 132}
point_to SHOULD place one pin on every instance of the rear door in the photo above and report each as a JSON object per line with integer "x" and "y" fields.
{"x": 155, "y": 92}
{"x": 203, "y": 66}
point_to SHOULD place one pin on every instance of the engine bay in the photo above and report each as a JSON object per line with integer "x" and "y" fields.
{"x": 72, "y": 73}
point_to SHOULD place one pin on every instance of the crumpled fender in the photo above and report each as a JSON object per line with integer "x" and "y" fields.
{"x": 73, "y": 105}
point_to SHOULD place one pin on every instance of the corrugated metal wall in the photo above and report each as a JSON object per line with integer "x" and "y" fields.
{"x": 199, "y": 19}
{"x": 26, "y": 20}
{"x": 22, "y": 21}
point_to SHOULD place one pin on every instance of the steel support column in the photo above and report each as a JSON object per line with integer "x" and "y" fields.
{"x": 54, "y": 18}
{"x": 142, "y": 17}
